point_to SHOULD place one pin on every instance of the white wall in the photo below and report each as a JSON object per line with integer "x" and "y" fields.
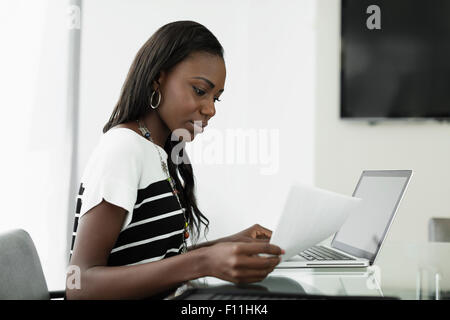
{"x": 269, "y": 53}
{"x": 35, "y": 160}
{"x": 345, "y": 148}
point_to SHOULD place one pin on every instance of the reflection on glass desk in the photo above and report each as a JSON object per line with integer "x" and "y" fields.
{"x": 329, "y": 282}
{"x": 405, "y": 271}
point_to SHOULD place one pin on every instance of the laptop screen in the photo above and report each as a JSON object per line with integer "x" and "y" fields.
{"x": 364, "y": 231}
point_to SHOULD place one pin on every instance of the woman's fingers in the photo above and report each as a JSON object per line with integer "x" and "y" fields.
{"x": 256, "y": 262}
{"x": 261, "y": 233}
{"x": 242, "y": 261}
{"x": 252, "y": 248}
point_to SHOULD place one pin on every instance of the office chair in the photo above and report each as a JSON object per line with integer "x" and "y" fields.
{"x": 439, "y": 230}
{"x": 21, "y": 275}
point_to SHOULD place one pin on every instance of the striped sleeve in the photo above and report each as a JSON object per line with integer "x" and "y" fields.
{"x": 112, "y": 173}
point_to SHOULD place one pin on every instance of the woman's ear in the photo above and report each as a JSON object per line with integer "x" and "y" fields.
{"x": 160, "y": 78}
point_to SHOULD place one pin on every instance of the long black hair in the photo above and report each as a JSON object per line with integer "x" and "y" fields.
{"x": 168, "y": 46}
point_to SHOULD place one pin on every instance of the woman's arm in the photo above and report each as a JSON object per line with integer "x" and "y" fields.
{"x": 206, "y": 244}
{"x": 255, "y": 233}
{"x": 97, "y": 233}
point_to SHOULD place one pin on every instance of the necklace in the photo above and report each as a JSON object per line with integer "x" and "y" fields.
{"x": 146, "y": 133}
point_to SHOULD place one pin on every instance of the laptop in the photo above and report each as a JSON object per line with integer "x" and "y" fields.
{"x": 359, "y": 240}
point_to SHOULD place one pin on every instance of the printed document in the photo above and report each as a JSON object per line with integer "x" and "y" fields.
{"x": 310, "y": 216}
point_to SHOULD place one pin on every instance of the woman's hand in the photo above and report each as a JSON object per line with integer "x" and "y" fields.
{"x": 239, "y": 262}
{"x": 255, "y": 233}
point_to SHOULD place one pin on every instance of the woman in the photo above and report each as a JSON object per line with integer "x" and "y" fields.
{"x": 136, "y": 204}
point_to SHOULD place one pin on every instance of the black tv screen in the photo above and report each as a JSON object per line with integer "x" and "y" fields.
{"x": 395, "y": 59}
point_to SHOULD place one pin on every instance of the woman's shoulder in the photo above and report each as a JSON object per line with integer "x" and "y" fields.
{"x": 121, "y": 137}
{"x": 126, "y": 138}
{"x": 132, "y": 144}
{"x": 123, "y": 150}
{"x": 116, "y": 146}
{"x": 117, "y": 151}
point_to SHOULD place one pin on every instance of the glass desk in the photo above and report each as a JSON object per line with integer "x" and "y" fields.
{"x": 405, "y": 271}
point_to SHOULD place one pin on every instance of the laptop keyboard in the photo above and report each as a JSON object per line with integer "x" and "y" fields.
{"x": 323, "y": 253}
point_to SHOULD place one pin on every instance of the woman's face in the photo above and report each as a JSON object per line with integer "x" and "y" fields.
{"x": 189, "y": 92}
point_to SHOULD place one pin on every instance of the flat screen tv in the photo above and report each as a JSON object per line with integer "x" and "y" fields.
{"x": 395, "y": 59}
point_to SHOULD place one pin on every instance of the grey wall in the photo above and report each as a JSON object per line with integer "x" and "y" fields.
{"x": 344, "y": 148}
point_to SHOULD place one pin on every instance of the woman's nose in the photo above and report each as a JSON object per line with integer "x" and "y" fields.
{"x": 209, "y": 109}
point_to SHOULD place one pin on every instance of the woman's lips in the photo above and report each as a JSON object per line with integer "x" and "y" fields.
{"x": 197, "y": 126}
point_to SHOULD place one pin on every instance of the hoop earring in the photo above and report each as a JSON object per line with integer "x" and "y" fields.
{"x": 151, "y": 100}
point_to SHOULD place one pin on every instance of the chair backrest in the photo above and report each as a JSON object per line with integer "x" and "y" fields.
{"x": 21, "y": 275}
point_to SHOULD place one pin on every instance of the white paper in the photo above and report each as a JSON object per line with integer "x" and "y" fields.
{"x": 310, "y": 216}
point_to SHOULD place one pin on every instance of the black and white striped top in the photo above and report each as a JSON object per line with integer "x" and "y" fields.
{"x": 125, "y": 170}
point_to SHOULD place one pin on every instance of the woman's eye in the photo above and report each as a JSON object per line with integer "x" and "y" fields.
{"x": 217, "y": 99}
{"x": 198, "y": 91}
